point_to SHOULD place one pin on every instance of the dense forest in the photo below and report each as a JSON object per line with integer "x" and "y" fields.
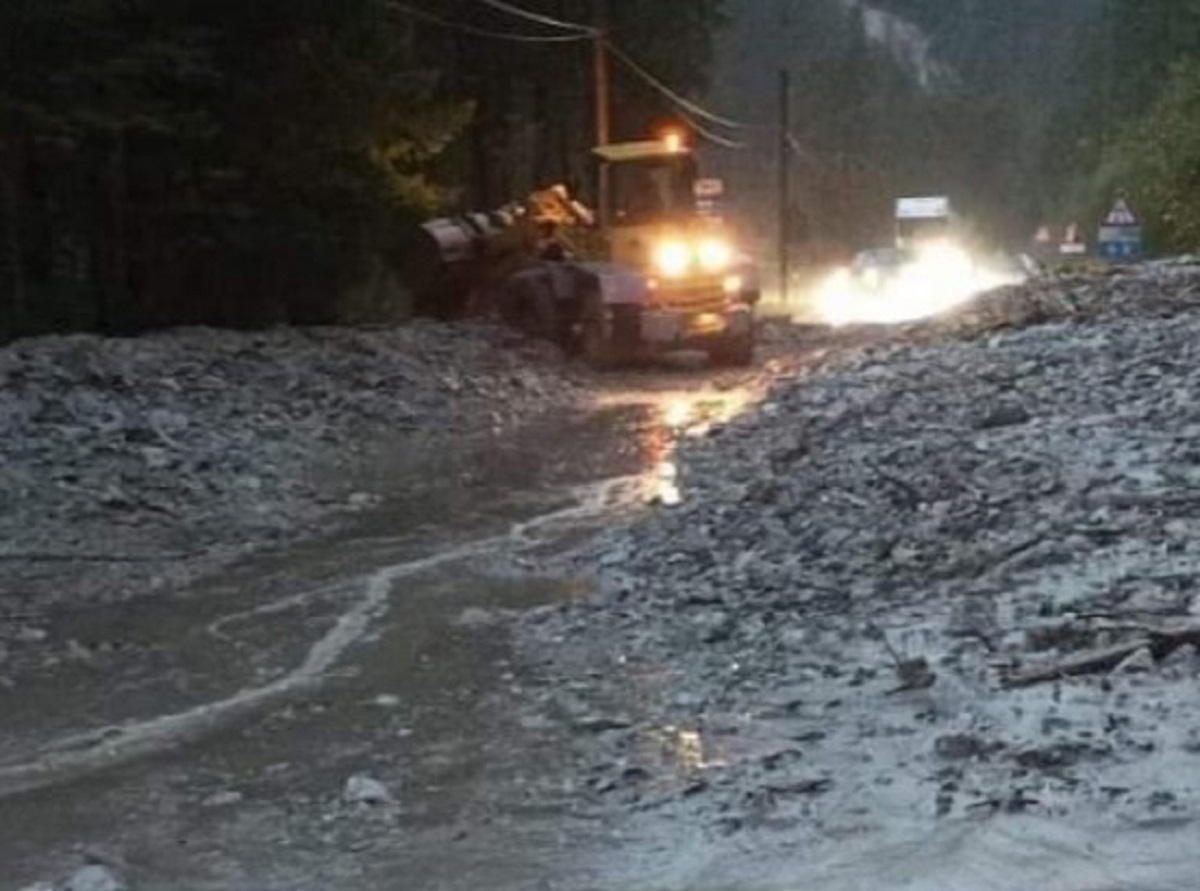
{"x": 204, "y": 161}
{"x": 894, "y": 97}
{"x": 201, "y": 161}
{"x": 1025, "y": 111}
{"x": 1140, "y": 129}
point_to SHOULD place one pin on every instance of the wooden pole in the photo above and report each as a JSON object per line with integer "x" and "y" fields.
{"x": 785, "y": 180}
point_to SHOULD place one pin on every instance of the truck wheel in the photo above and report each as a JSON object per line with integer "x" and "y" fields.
{"x": 733, "y": 352}
{"x": 528, "y": 305}
{"x": 597, "y": 350}
{"x": 508, "y": 304}
{"x": 540, "y": 313}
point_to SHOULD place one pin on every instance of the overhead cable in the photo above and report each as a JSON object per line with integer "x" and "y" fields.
{"x": 463, "y": 27}
{"x": 714, "y": 138}
{"x": 539, "y": 18}
{"x": 688, "y": 109}
{"x": 685, "y": 104}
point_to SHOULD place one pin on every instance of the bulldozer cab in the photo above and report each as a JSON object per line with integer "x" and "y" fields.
{"x": 647, "y": 191}
{"x": 647, "y": 183}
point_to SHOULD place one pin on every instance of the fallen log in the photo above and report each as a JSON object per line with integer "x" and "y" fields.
{"x": 1160, "y": 642}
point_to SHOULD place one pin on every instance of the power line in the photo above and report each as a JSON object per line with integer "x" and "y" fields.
{"x": 714, "y": 138}
{"x": 540, "y": 19}
{"x": 687, "y": 108}
{"x": 684, "y": 104}
{"x": 412, "y": 11}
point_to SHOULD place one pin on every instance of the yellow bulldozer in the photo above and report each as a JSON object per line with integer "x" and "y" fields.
{"x": 644, "y": 273}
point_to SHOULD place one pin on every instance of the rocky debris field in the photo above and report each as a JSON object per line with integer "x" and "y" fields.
{"x": 93, "y": 877}
{"x": 952, "y": 576}
{"x": 129, "y": 465}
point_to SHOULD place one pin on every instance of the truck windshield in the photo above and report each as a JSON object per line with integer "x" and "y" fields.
{"x": 918, "y": 230}
{"x": 651, "y": 190}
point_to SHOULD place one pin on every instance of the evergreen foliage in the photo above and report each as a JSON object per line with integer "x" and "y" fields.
{"x": 253, "y": 162}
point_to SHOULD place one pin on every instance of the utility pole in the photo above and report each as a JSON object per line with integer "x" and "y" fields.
{"x": 600, "y": 73}
{"x": 785, "y": 179}
{"x": 1110, "y": 15}
{"x": 601, "y": 86}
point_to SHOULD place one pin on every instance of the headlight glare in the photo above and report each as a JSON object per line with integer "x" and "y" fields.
{"x": 673, "y": 259}
{"x": 714, "y": 254}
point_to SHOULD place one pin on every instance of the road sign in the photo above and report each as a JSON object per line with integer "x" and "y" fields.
{"x": 1120, "y": 237}
{"x": 1120, "y": 244}
{"x": 1072, "y": 244}
{"x": 1121, "y": 215}
{"x": 709, "y": 193}
{"x": 932, "y": 207}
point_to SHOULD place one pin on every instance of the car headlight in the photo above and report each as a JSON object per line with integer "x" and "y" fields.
{"x": 941, "y": 258}
{"x": 714, "y": 254}
{"x": 673, "y": 259}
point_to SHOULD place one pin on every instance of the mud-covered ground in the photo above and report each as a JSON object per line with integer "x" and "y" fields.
{"x": 904, "y": 607}
{"x": 137, "y": 464}
{"x": 938, "y": 589}
{"x": 232, "y": 725}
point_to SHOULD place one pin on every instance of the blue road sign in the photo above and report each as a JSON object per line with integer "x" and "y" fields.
{"x": 1120, "y": 238}
{"x": 1121, "y": 251}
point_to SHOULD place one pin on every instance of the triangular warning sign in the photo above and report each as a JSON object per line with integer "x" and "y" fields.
{"x": 1121, "y": 215}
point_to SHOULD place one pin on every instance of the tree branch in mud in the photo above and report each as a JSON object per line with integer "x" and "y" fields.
{"x": 1161, "y": 644}
{"x": 914, "y": 674}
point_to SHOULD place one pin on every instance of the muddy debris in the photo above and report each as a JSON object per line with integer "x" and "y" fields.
{"x": 995, "y": 494}
{"x": 129, "y": 465}
{"x": 228, "y": 798}
{"x": 365, "y": 790}
{"x": 965, "y": 746}
{"x": 94, "y": 877}
{"x": 1140, "y": 662}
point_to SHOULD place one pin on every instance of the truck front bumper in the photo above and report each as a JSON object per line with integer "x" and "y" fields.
{"x": 681, "y": 328}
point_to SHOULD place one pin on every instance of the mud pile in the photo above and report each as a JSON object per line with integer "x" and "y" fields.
{"x": 951, "y": 577}
{"x": 123, "y": 461}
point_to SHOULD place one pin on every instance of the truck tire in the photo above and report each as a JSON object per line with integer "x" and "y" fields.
{"x": 528, "y": 305}
{"x": 733, "y": 352}
{"x": 508, "y": 303}
{"x": 597, "y": 350}
{"x": 612, "y": 343}
{"x": 541, "y": 313}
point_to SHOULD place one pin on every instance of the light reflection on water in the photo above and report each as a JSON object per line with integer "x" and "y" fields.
{"x": 683, "y": 415}
{"x": 686, "y": 749}
{"x": 666, "y": 484}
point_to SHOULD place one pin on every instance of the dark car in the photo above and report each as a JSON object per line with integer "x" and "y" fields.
{"x": 875, "y": 269}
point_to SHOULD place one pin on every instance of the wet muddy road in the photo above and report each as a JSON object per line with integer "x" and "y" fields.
{"x": 353, "y": 713}
{"x": 206, "y": 741}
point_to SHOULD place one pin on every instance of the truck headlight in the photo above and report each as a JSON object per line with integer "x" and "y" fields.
{"x": 714, "y": 254}
{"x": 672, "y": 259}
